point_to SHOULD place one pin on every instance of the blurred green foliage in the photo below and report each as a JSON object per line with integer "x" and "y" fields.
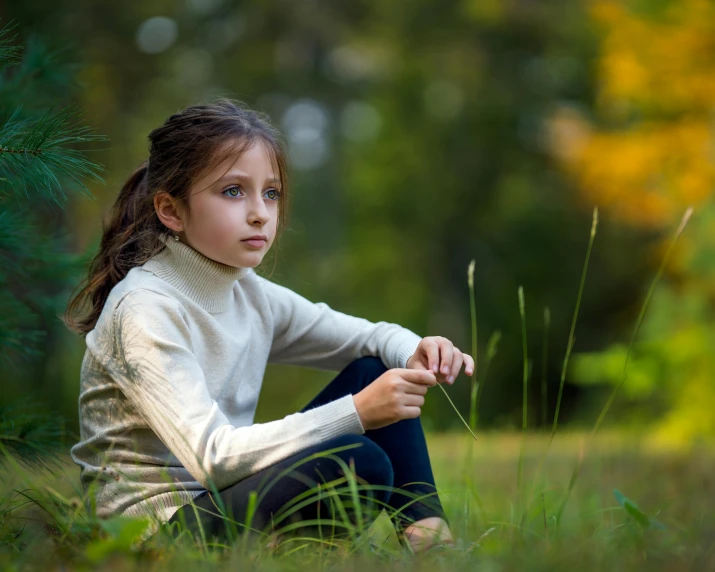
{"x": 670, "y": 371}
{"x": 418, "y": 140}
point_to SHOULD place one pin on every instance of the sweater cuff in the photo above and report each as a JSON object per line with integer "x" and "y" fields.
{"x": 337, "y": 418}
{"x": 407, "y": 350}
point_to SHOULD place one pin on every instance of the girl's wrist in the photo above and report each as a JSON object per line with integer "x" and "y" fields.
{"x": 357, "y": 400}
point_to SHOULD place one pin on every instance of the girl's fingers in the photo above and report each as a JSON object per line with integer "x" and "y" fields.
{"x": 416, "y": 388}
{"x": 446, "y": 353}
{"x": 468, "y": 364}
{"x": 412, "y": 412}
{"x": 456, "y": 366}
{"x": 431, "y": 348}
{"x": 412, "y": 399}
{"x": 421, "y": 376}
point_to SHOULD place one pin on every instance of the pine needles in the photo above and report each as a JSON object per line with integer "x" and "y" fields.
{"x": 35, "y": 157}
{"x": 32, "y": 437}
{"x": 39, "y": 162}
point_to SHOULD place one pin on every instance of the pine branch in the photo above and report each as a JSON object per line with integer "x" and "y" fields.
{"x": 20, "y": 335}
{"x": 44, "y": 75}
{"x": 34, "y": 268}
{"x": 9, "y": 54}
{"x": 31, "y": 437}
{"x": 34, "y": 153}
{"x": 15, "y": 239}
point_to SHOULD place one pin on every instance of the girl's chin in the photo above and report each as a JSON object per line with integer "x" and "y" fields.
{"x": 250, "y": 261}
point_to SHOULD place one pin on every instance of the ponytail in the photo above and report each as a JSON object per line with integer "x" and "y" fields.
{"x": 129, "y": 239}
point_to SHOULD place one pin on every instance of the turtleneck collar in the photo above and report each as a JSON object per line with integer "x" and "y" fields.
{"x": 205, "y": 281}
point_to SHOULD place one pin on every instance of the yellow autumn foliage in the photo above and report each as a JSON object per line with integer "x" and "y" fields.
{"x": 649, "y": 152}
{"x": 644, "y": 155}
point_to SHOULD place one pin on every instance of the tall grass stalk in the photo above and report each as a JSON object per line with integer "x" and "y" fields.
{"x": 544, "y": 362}
{"x": 472, "y": 396}
{"x": 472, "y": 413}
{"x": 569, "y": 347}
{"x": 636, "y": 329}
{"x": 473, "y": 315}
{"x": 492, "y": 348}
{"x": 520, "y": 471}
{"x": 475, "y": 394}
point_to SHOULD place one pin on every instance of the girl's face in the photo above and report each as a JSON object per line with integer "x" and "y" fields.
{"x": 228, "y": 209}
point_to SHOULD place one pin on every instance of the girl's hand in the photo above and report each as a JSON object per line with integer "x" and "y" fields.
{"x": 439, "y": 355}
{"x": 396, "y": 395}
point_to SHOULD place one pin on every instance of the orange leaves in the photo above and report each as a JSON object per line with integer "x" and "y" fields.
{"x": 662, "y": 61}
{"x": 655, "y": 91}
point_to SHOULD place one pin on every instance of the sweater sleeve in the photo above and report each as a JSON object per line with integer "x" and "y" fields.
{"x": 313, "y": 334}
{"x": 153, "y": 363}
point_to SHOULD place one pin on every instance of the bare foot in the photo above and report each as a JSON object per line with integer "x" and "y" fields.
{"x": 428, "y": 532}
{"x": 273, "y": 542}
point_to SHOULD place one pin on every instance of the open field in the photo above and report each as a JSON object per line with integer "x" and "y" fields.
{"x": 673, "y": 527}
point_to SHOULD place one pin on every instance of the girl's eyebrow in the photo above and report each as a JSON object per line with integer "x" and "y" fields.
{"x": 243, "y": 177}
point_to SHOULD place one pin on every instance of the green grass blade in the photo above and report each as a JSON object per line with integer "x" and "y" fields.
{"x": 639, "y": 321}
{"x": 544, "y": 362}
{"x": 520, "y": 470}
{"x": 569, "y": 345}
{"x": 492, "y": 348}
{"x": 473, "y": 316}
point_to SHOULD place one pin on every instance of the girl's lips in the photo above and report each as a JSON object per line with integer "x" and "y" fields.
{"x": 254, "y": 243}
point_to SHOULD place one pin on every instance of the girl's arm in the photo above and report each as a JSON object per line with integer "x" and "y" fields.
{"x": 313, "y": 334}
{"x": 153, "y": 363}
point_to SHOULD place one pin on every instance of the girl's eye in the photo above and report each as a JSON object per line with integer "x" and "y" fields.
{"x": 230, "y": 191}
{"x": 235, "y": 189}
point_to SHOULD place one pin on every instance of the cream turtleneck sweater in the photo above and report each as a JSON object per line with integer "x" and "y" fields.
{"x": 172, "y": 372}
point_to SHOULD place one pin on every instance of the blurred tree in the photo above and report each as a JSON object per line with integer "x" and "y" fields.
{"x": 647, "y": 151}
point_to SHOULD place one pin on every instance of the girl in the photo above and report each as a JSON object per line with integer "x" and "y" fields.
{"x": 179, "y": 330}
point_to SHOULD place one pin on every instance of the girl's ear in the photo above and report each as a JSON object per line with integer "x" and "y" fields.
{"x": 168, "y": 212}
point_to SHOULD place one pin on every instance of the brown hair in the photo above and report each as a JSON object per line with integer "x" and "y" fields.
{"x": 188, "y": 145}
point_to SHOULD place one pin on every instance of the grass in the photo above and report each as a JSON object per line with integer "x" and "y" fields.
{"x": 595, "y": 532}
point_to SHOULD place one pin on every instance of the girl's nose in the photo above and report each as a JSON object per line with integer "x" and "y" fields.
{"x": 258, "y": 211}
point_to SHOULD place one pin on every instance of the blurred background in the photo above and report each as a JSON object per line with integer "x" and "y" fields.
{"x": 423, "y": 136}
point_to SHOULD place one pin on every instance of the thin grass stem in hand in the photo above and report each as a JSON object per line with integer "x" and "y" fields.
{"x": 457, "y": 411}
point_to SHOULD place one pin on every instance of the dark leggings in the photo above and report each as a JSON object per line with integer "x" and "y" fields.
{"x": 391, "y": 465}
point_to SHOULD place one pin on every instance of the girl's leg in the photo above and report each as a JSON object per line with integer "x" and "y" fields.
{"x": 393, "y": 456}
{"x": 403, "y": 442}
{"x": 278, "y": 486}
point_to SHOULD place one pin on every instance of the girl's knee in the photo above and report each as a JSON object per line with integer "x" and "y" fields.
{"x": 371, "y": 365}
